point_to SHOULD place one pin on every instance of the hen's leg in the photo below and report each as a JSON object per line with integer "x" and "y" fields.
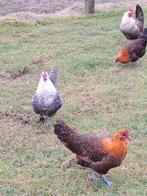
{"x": 134, "y": 63}
{"x": 94, "y": 177}
{"x": 41, "y": 119}
{"x": 67, "y": 163}
{"x": 106, "y": 180}
{"x": 43, "y": 127}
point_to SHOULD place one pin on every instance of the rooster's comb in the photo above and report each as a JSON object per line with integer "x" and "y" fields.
{"x": 45, "y": 69}
{"x": 131, "y": 10}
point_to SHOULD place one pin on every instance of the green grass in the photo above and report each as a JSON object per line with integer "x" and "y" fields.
{"x": 97, "y": 95}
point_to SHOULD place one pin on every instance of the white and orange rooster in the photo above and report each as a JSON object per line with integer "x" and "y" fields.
{"x": 132, "y": 27}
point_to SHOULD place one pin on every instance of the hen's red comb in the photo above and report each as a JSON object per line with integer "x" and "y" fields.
{"x": 131, "y": 10}
{"x": 45, "y": 69}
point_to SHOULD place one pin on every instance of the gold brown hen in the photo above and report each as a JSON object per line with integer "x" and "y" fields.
{"x": 99, "y": 154}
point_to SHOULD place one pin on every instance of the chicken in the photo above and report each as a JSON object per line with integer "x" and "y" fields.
{"x": 133, "y": 50}
{"x": 46, "y": 100}
{"x": 130, "y": 27}
{"x": 99, "y": 154}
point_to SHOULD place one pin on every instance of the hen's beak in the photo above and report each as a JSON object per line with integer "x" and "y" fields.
{"x": 116, "y": 60}
{"x": 45, "y": 77}
{"x": 130, "y": 14}
{"x": 129, "y": 137}
{"x": 126, "y": 137}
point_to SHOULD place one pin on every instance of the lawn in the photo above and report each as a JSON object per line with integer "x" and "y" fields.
{"x": 98, "y": 96}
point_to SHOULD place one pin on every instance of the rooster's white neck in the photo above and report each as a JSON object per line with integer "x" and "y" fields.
{"x": 46, "y": 87}
{"x": 127, "y": 19}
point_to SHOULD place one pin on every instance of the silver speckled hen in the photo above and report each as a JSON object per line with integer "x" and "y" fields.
{"x": 46, "y": 100}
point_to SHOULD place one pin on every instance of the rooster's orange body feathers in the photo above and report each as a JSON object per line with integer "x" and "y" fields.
{"x": 115, "y": 147}
{"x": 123, "y": 56}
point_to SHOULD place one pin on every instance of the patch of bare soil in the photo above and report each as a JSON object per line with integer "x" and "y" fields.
{"x": 20, "y": 73}
{"x": 25, "y": 69}
{"x": 13, "y": 76}
{"x": 22, "y": 179}
{"x": 32, "y": 9}
{"x": 17, "y": 116}
{"x": 5, "y": 76}
{"x": 36, "y": 6}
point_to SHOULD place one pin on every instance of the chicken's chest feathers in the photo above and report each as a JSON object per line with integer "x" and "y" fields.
{"x": 46, "y": 88}
{"x": 115, "y": 147}
{"x": 127, "y": 23}
{"x": 123, "y": 55}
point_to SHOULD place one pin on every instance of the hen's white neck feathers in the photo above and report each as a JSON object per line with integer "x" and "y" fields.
{"x": 46, "y": 87}
{"x": 127, "y": 20}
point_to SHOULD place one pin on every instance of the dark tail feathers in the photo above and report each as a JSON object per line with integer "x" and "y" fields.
{"x": 62, "y": 131}
{"x": 139, "y": 13}
{"x": 53, "y": 74}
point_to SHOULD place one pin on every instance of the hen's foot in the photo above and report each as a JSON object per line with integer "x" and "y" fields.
{"x": 106, "y": 180}
{"x": 67, "y": 163}
{"x": 94, "y": 177}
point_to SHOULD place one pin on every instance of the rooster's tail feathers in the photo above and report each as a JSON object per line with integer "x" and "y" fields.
{"x": 62, "y": 131}
{"x": 53, "y": 74}
{"x": 139, "y": 13}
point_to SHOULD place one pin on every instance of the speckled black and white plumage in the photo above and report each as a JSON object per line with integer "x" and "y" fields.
{"x": 53, "y": 75}
{"x": 46, "y": 105}
{"x": 46, "y": 100}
